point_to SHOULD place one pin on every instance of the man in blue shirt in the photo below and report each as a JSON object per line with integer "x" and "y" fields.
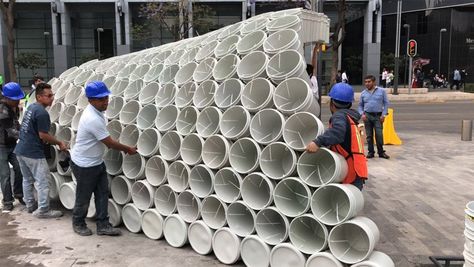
{"x": 373, "y": 107}
{"x": 30, "y": 153}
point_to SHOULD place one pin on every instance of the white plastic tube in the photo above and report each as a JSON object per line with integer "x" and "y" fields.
{"x": 257, "y": 191}
{"x": 146, "y": 117}
{"x": 121, "y": 190}
{"x": 115, "y": 213}
{"x": 115, "y": 129}
{"x": 153, "y": 74}
{"x": 67, "y": 195}
{"x": 75, "y": 120}
{"x": 208, "y": 122}
{"x": 148, "y": 93}
{"x": 253, "y": 66}
{"x": 56, "y": 180}
{"x": 62, "y": 157}
{"x": 255, "y": 252}
{"x": 189, "y": 206}
{"x": 284, "y": 22}
{"x": 161, "y": 56}
{"x": 133, "y": 166}
{"x": 166, "y": 118}
{"x": 300, "y": 129}
{"x": 286, "y": 39}
{"x": 82, "y": 101}
{"x": 204, "y": 94}
{"x": 228, "y": 93}
{"x": 278, "y": 160}
{"x": 255, "y": 25}
{"x": 170, "y": 145}
{"x": 156, "y": 171}
{"x": 321, "y": 168}
{"x": 129, "y": 112}
{"x": 272, "y": 226}
{"x": 229, "y": 30}
{"x": 166, "y": 95}
{"x": 130, "y": 135}
{"x": 133, "y": 90}
{"x": 185, "y": 94}
{"x": 168, "y": 74}
{"x": 323, "y": 259}
{"x": 308, "y": 234}
{"x": 83, "y": 77}
{"x": 235, "y": 123}
{"x": 206, "y": 51}
{"x": 165, "y": 200}
{"x": 191, "y": 149}
{"x": 174, "y": 57}
{"x": 186, "y": 121}
{"x": 227, "y": 46}
{"x": 113, "y": 160}
{"x": 227, "y": 185}
{"x": 143, "y": 194}
{"x": 333, "y": 204}
{"x": 127, "y": 70}
{"x": 287, "y": 64}
{"x": 200, "y": 237}
{"x": 72, "y": 95}
{"x": 286, "y": 254}
{"x": 131, "y": 217}
{"x": 376, "y": 259}
{"x": 188, "y": 56}
{"x": 148, "y": 142}
{"x": 267, "y": 126}
{"x": 204, "y": 70}
{"x": 257, "y": 95}
{"x": 294, "y": 95}
{"x": 213, "y": 212}
{"x": 244, "y": 155}
{"x": 226, "y": 246}
{"x": 56, "y": 110}
{"x": 175, "y": 230}
{"x": 292, "y": 197}
{"x": 226, "y": 68}
{"x": 139, "y": 72}
{"x": 201, "y": 180}
{"x": 251, "y": 42}
{"x": 178, "y": 176}
{"x": 152, "y": 224}
{"x": 215, "y": 152}
{"x": 66, "y": 135}
{"x": 185, "y": 73}
{"x": 353, "y": 241}
{"x": 114, "y": 107}
{"x": 241, "y": 218}
{"x": 109, "y": 81}
{"x": 119, "y": 86}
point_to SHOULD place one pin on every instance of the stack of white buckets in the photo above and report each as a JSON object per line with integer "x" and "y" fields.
{"x": 221, "y": 122}
{"x": 469, "y": 235}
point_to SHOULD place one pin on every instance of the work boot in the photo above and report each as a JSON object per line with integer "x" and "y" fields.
{"x": 82, "y": 230}
{"x": 383, "y": 155}
{"x": 32, "y": 208}
{"x": 7, "y": 208}
{"x": 108, "y": 230}
{"x": 20, "y": 199}
{"x": 47, "y": 214}
{"x": 370, "y": 155}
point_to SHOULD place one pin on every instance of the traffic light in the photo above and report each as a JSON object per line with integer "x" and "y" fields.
{"x": 411, "y": 48}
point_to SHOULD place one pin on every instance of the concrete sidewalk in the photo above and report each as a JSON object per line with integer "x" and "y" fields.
{"x": 429, "y": 97}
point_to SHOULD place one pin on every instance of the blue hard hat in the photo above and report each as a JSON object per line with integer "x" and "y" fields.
{"x": 342, "y": 92}
{"x": 97, "y": 89}
{"x": 13, "y": 91}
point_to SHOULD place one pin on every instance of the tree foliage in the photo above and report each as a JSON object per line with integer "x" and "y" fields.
{"x": 30, "y": 60}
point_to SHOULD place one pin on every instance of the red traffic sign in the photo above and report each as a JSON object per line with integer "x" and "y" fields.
{"x": 412, "y": 48}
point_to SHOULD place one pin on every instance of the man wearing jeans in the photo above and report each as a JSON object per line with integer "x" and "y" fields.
{"x": 373, "y": 106}
{"x": 9, "y": 131}
{"x": 30, "y": 153}
{"x": 88, "y": 164}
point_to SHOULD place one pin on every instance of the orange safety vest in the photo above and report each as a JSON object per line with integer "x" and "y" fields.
{"x": 356, "y": 161}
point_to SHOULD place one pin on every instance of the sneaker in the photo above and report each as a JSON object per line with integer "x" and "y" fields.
{"x": 7, "y": 208}
{"x": 108, "y": 230}
{"x": 48, "y": 214}
{"x": 31, "y": 209}
{"x": 383, "y": 155}
{"x": 370, "y": 155}
{"x": 82, "y": 230}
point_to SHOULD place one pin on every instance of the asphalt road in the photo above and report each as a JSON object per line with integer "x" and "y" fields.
{"x": 427, "y": 117}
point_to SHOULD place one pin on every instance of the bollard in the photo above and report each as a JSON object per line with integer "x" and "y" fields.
{"x": 466, "y": 130}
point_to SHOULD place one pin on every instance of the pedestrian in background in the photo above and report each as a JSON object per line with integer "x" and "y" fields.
{"x": 373, "y": 106}
{"x": 384, "y": 78}
{"x": 30, "y": 153}
{"x": 345, "y": 78}
{"x": 456, "y": 79}
{"x": 314, "y": 83}
{"x": 343, "y": 135}
{"x": 9, "y": 132}
{"x": 37, "y": 79}
{"x": 339, "y": 76}
{"x": 88, "y": 164}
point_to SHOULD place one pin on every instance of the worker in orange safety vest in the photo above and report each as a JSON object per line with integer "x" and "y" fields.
{"x": 343, "y": 135}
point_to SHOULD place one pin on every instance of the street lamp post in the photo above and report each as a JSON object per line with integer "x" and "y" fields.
{"x": 46, "y": 39}
{"x": 397, "y": 47}
{"x": 439, "y": 54}
{"x": 99, "y": 30}
{"x": 407, "y": 27}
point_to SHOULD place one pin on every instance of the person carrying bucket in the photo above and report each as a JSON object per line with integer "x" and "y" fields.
{"x": 343, "y": 135}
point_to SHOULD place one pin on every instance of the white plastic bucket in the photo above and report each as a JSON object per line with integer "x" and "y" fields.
{"x": 207, "y": 123}
{"x": 152, "y": 224}
{"x": 325, "y": 259}
{"x": 175, "y": 230}
{"x": 140, "y": 72}
{"x": 168, "y": 74}
{"x": 178, "y": 176}
{"x": 292, "y": 197}
{"x": 133, "y": 90}
{"x": 255, "y": 25}
{"x": 333, "y": 204}
{"x": 186, "y": 121}
{"x": 244, "y": 155}
{"x": 148, "y": 93}
{"x": 166, "y": 118}
{"x": 127, "y": 70}
{"x": 131, "y": 217}
{"x": 189, "y": 206}
{"x": 153, "y": 74}
{"x": 188, "y": 56}
{"x": 75, "y": 120}
{"x": 206, "y": 51}
{"x": 143, "y": 194}
{"x": 285, "y": 22}
{"x": 213, "y": 212}
{"x": 228, "y": 93}
{"x": 56, "y": 180}
{"x": 271, "y": 226}
{"x": 121, "y": 190}
{"x": 226, "y": 246}
{"x": 83, "y": 77}
{"x": 235, "y": 123}
{"x": 286, "y": 39}
{"x": 286, "y": 254}
{"x": 170, "y": 145}
{"x": 166, "y": 95}
{"x": 66, "y": 135}
{"x": 72, "y": 96}
{"x": 55, "y": 111}
{"x": 130, "y": 135}
{"x": 300, "y": 129}
{"x": 165, "y": 200}
{"x": 376, "y": 259}
{"x": 287, "y": 64}
{"x": 322, "y": 167}
{"x": 185, "y": 73}
{"x": 253, "y": 66}
{"x": 82, "y": 101}
{"x": 113, "y": 160}
{"x": 227, "y": 185}
{"x": 185, "y": 94}
{"x": 257, "y": 95}
{"x": 200, "y": 237}
{"x": 156, "y": 171}
{"x": 257, "y": 191}
{"x": 204, "y": 70}
{"x": 353, "y": 241}
{"x": 148, "y": 142}
{"x": 133, "y": 166}
{"x": 230, "y": 30}
{"x": 215, "y": 152}
{"x": 267, "y": 126}
{"x": 251, "y": 42}
{"x": 65, "y": 118}
{"x": 67, "y": 195}
{"x": 174, "y": 57}
{"x": 115, "y": 213}
{"x": 204, "y": 94}
{"x": 278, "y": 160}
{"x": 227, "y": 46}
{"x": 254, "y": 252}
{"x": 308, "y": 234}
{"x": 109, "y": 81}
{"x": 114, "y": 107}
{"x": 201, "y": 180}
{"x": 241, "y": 218}
{"x": 119, "y": 87}
{"x": 115, "y": 129}
{"x": 146, "y": 117}
{"x": 129, "y": 112}
{"x": 226, "y": 68}
{"x": 294, "y": 95}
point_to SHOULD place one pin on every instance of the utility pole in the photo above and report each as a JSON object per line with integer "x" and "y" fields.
{"x": 397, "y": 47}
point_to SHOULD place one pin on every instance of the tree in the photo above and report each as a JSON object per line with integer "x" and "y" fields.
{"x": 338, "y": 37}
{"x": 30, "y": 60}
{"x": 8, "y": 12}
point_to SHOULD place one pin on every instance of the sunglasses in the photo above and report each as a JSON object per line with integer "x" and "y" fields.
{"x": 48, "y": 96}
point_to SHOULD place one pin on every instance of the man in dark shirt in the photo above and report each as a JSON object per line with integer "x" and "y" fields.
{"x": 30, "y": 153}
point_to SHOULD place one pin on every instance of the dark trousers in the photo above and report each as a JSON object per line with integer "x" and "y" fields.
{"x": 373, "y": 124}
{"x": 7, "y": 156}
{"x": 91, "y": 180}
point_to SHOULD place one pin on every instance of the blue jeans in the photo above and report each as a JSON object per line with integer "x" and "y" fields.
{"x": 91, "y": 180}
{"x": 35, "y": 170}
{"x": 373, "y": 124}
{"x": 7, "y": 156}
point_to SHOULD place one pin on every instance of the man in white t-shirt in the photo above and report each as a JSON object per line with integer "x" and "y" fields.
{"x": 384, "y": 77}
{"x": 87, "y": 163}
